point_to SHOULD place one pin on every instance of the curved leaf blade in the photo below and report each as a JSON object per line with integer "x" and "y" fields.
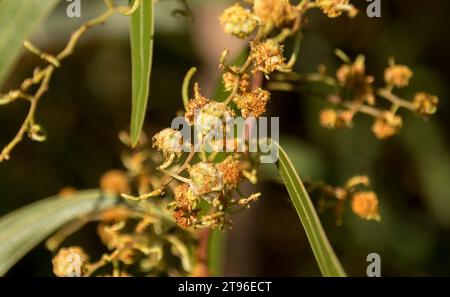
{"x": 141, "y": 36}
{"x": 18, "y": 19}
{"x": 23, "y": 229}
{"x": 328, "y": 263}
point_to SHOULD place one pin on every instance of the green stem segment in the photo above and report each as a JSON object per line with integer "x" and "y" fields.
{"x": 185, "y": 88}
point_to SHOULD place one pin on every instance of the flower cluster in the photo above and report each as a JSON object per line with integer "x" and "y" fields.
{"x": 206, "y": 186}
{"x": 356, "y": 192}
{"x": 357, "y": 94}
{"x": 156, "y": 236}
{"x": 141, "y": 242}
{"x": 141, "y": 239}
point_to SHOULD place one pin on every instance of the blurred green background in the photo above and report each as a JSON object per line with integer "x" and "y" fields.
{"x": 89, "y": 103}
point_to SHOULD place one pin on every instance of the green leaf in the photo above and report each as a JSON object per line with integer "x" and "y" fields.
{"x": 326, "y": 258}
{"x": 141, "y": 35}
{"x": 216, "y": 252}
{"x": 23, "y": 229}
{"x": 18, "y": 19}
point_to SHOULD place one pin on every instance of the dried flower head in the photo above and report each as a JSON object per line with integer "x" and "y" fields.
{"x": 205, "y": 178}
{"x": 186, "y": 206}
{"x": 212, "y": 116}
{"x": 253, "y": 104}
{"x": 425, "y": 104}
{"x": 185, "y": 198}
{"x": 353, "y": 77}
{"x": 229, "y": 81}
{"x": 168, "y": 141}
{"x": 387, "y": 125}
{"x": 398, "y": 75}
{"x": 70, "y": 262}
{"x": 268, "y": 56}
{"x": 365, "y": 205}
{"x": 238, "y": 21}
{"x": 275, "y": 12}
{"x": 185, "y": 218}
{"x": 334, "y": 8}
{"x": 115, "y": 182}
{"x": 230, "y": 171}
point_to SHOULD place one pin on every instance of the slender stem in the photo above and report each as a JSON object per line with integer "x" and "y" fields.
{"x": 243, "y": 69}
{"x": 388, "y": 95}
{"x": 68, "y": 50}
{"x": 361, "y": 108}
{"x": 5, "y": 154}
{"x": 185, "y": 88}
{"x": 44, "y": 76}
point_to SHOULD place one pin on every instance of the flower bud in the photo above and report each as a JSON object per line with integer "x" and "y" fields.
{"x": 230, "y": 171}
{"x": 253, "y": 104}
{"x": 206, "y": 178}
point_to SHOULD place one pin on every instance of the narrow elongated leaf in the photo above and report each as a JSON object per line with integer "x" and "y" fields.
{"x": 23, "y": 229}
{"x": 326, "y": 258}
{"x": 18, "y": 19}
{"x": 141, "y": 36}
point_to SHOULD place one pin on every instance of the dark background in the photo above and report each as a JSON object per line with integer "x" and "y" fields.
{"x": 88, "y": 104}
